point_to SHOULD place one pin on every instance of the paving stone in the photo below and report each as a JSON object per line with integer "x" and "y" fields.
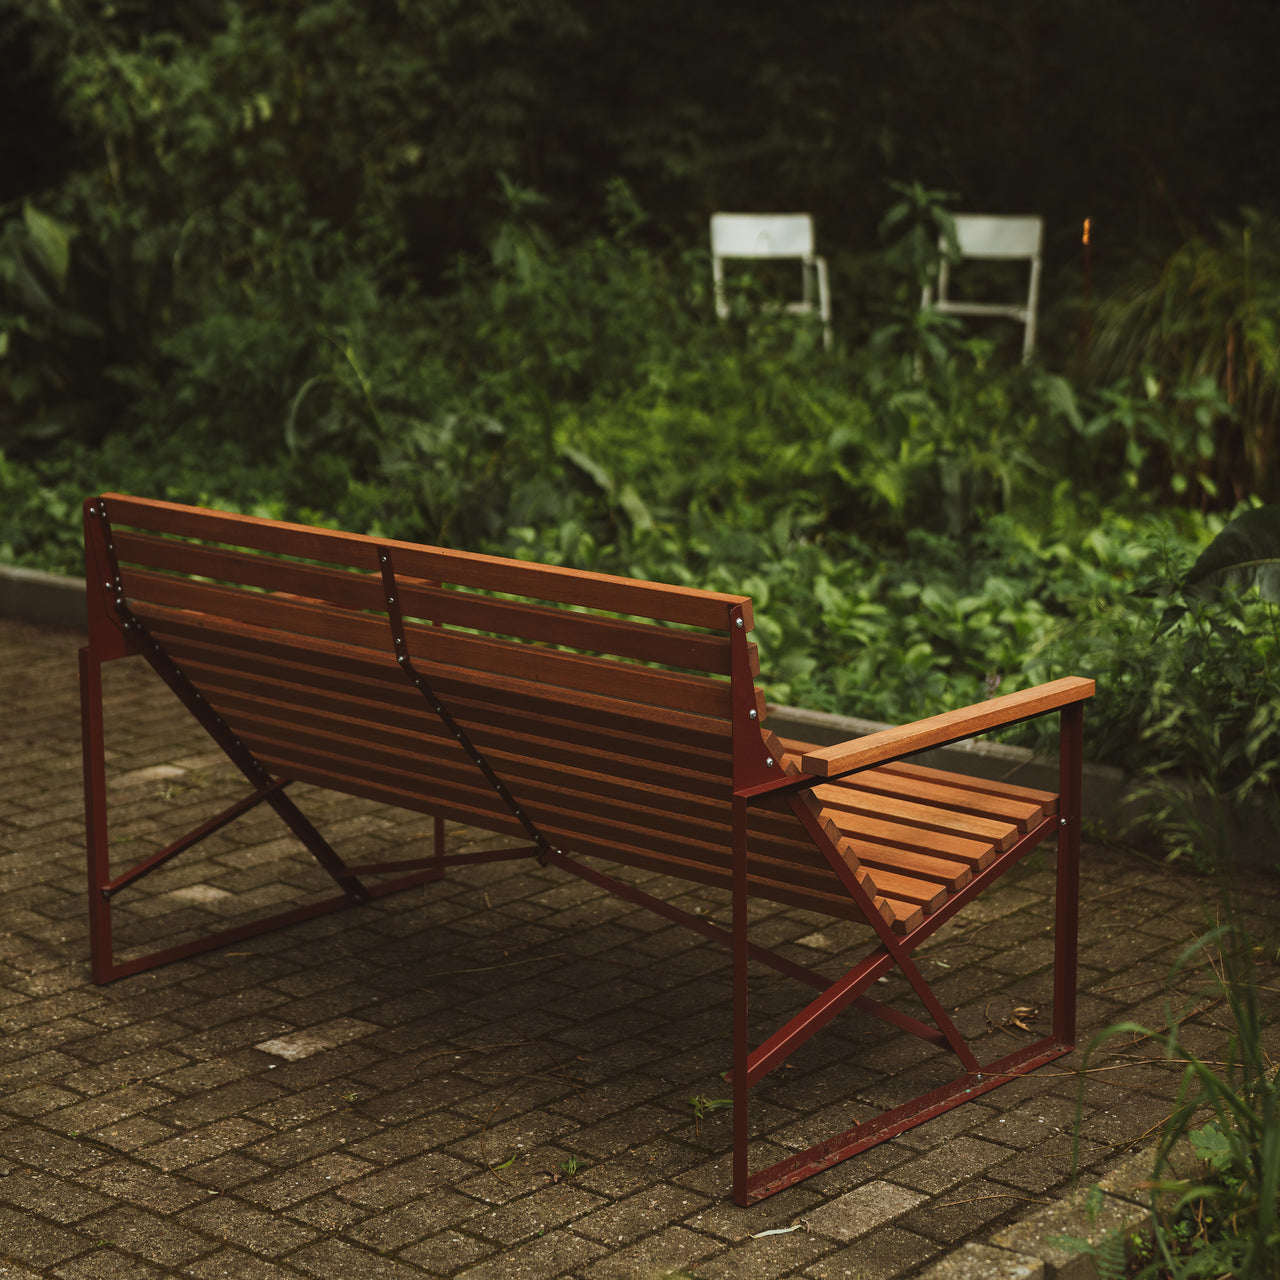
{"x": 50, "y": 1197}
{"x": 393, "y": 1229}
{"x": 857, "y": 1212}
{"x": 338, "y": 1260}
{"x": 447, "y": 1253}
{"x": 324, "y": 1174}
{"x": 390, "y": 1187}
{"x": 201, "y": 1144}
{"x": 887, "y": 1254}
{"x": 554, "y": 1254}
{"x": 533, "y": 1215}
{"x": 224, "y": 1217}
{"x": 142, "y": 1186}
{"x": 981, "y": 1262}
{"x": 107, "y": 1263}
{"x": 234, "y": 1264}
{"x": 953, "y": 1162}
{"x": 157, "y": 1239}
{"x": 625, "y": 1221}
{"x": 673, "y": 1251}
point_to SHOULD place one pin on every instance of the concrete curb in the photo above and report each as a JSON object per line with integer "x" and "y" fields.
{"x": 49, "y": 599}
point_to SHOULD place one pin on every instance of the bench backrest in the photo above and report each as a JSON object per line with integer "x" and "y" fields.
{"x": 617, "y": 713}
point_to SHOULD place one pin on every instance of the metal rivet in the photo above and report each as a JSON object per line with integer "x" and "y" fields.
{"x": 768, "y": 764}
{"x": 1062, "y": 822}
{"x": 752, "y": 714}
{"x": 739, "y": 622}
{"x": 391, "y": 599}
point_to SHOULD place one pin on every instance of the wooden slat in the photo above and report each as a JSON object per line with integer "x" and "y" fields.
{"x": 924, "y": 893}
{"x": 346, "y": 588}
{"x": 692, "y": 749}
{"x": 491, "y": 573}
{"x": 1000, "y": 834}
{"x": 594, "y": 682}
{"x": 859, "y": 753}
{"x": 538, "y": 756}
{"x": 953, "y": 876}
{"x": 1023, "y": 814}
{"x": 1046, "y": 800}
{"x": 636, "y": 641}
{"x": 974, "y": 854}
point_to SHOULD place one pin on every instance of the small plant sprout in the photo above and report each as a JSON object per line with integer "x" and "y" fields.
{"x": 702, "y": 1106}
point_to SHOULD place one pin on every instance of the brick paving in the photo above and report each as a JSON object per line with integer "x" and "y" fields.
{"x": 492, "y": 1076}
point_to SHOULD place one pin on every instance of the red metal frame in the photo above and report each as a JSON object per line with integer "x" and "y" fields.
{"x": 755, "y": 780}
{"x": 758, "y": 775}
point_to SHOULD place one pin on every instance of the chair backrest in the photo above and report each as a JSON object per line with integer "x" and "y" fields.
{"x": 761, "y": 235}
{"x": 995, "y": 237}
{"x": 982, "y": 235}
{"x": 772, "y": 235}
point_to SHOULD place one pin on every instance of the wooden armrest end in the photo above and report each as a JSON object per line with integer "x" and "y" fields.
{"x": 950, "y": 726}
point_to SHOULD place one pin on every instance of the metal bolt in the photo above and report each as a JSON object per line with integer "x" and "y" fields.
{"x": 739, "y": 622}
{"x": 753, "y": 714}
{"x": 1062, "y": 822}
{"x": 768, "y": 764}
{"x": 391, "y": 599}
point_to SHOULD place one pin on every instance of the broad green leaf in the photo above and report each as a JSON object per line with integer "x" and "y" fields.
{"x": 1246, "y": 553}
{"x": 52, "y": 240}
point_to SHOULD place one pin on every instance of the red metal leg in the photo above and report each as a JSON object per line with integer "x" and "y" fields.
{"x": 95, "y": 815}
{"x": 1066, "y": 926}
{"x": 741, "y": 1042}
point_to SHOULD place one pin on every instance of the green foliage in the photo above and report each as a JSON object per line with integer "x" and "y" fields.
{"x": 1227, "y": 1222}
{"x": 1204, "y": 332}
{"x": 1245, "y": 554}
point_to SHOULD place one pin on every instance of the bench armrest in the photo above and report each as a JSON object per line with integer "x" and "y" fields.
{"x": 950, "y": 726}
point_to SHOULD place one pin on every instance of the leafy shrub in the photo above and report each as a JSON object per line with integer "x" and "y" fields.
{"x": 1204, "y": 332}
{"x": 1228, "y": 1221}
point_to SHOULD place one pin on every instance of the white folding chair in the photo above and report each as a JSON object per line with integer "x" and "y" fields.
{"x": 772, "y": 235}
{"x": 982, "y": 235}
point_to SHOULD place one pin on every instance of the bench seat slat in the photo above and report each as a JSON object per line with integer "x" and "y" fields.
{"x": 879, "y": 858}
{"x": 952, "y": 795}
{"x": 597, "y": 800}
{"x": 628, "y": 596}
{"x": 874, "y": 805}
{"x": 974, "y": 854}
{"x": 1047, "y": 801}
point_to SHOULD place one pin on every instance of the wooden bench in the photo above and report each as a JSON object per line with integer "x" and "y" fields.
{"x": 583, "y": 715}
